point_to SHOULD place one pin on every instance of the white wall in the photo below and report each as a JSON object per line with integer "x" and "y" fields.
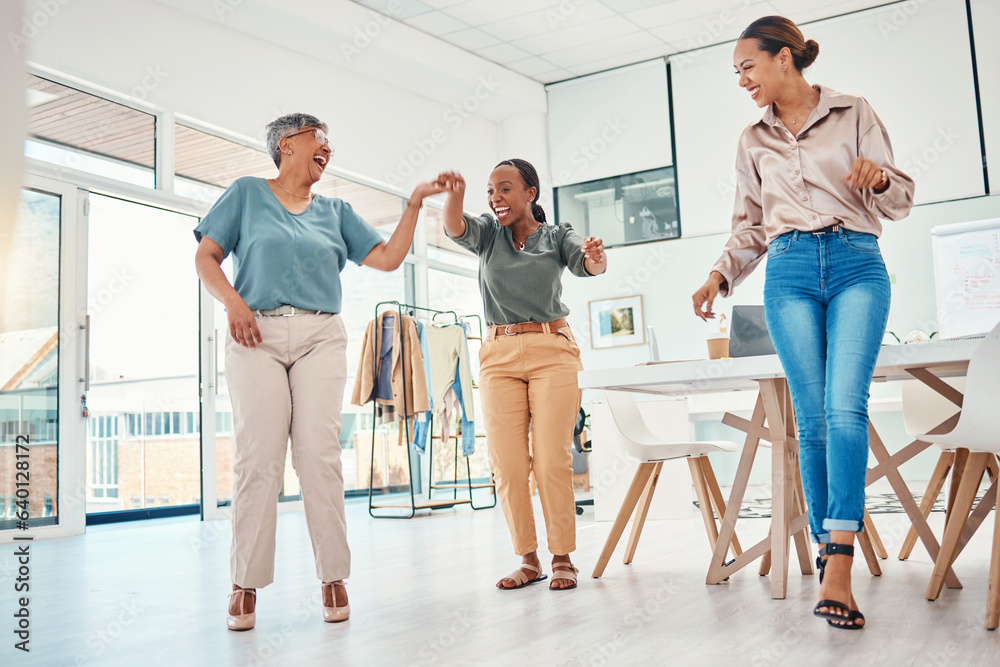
{"x": 11, "y": 130}
{"x": 395, "y": 116}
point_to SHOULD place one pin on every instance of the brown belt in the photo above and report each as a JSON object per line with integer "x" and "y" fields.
{"x": 526, "y": 327}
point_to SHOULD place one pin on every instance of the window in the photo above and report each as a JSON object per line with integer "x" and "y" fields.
{"x": 623, "y": 210}
{"x": 75, "y": 129}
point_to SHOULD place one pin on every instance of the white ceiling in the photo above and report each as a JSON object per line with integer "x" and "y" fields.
{"x": 552, "y": 40}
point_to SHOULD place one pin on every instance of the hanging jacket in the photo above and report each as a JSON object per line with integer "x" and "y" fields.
{"x": 414, "y": 383}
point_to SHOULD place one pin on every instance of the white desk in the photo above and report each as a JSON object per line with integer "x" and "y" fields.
{"x": 773, "y": 421}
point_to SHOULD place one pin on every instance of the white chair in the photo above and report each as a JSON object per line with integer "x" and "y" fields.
{"x": 651, "y": 452}
{"x": 924, "y": 410}
{"x": 977, "y": 431}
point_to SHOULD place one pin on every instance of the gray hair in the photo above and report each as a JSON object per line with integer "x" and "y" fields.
{"x": 279, "y": 128}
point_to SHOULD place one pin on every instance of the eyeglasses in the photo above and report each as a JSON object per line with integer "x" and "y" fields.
{"x": 320, "y": 135}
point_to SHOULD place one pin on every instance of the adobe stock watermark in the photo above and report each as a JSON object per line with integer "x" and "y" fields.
{"x": 366, "y": 34}
{"x": 452, "y": 119}
{"x": 919, "y": 164}
{"x": 711, "y": 32}
{"x": 899, "y": 17}
{"x": 35, "y": 21}
{"x": 589, "y": 151}
{"x": 556, "y": 16}
{"x": 605, "y": 653}
{"x": 100, "y": 641}
{"x": 433, "y": 649}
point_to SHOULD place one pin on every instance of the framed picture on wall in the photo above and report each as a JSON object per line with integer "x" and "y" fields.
{"x": 616, "y": 322}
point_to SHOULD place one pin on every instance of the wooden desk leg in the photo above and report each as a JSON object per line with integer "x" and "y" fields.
{"x": 774, "y": 393}
{"x": 715, "y": 493}
{"x": 631, "y": 498}
{"x": 718, "y": 571}
{"x": 902, "y": 492}
{"x": 641, "y": 511}
{"x": 965, "y": 495}
{"x": 931, "y": 494}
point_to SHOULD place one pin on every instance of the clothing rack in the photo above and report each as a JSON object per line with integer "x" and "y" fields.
{"x": 454, "y": 485}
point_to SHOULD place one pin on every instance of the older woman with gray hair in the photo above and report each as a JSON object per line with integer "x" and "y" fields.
{"x": 287, "y": 346}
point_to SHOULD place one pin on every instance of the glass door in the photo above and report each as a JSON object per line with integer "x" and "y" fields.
{"x": 143, "y": 430}
{"x": 38, "y": 362}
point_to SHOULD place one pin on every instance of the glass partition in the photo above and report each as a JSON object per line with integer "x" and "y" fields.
{"x": 623, "y": 210}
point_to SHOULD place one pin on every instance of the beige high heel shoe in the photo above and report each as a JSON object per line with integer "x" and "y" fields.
{"x": 242, "y": 621}
{"x": 335, "y": 614}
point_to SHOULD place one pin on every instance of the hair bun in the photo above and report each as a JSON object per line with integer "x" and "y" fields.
{"x": 809, "y": 53}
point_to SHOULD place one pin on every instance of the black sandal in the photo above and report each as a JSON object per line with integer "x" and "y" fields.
{"x": 847, "y": 620}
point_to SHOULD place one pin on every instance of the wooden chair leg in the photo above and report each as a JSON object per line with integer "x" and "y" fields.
{"x": 965, "y": 495}
{"x": 931, "y": 494}
{"x": 704, "y": 502}
{"x": 876, "y": 538}
{"x": 715, "y": 493}
{"x": 993, "y": 592}
{"x": 865, "y": 542}
{"x": 640, "y": 513}
{"x": 628, "y": 505}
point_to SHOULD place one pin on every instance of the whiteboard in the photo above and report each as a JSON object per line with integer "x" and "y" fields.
{"x": 609, "y": 124}
{"x": 891, "y": 56}
{"x": 967, "y": 277}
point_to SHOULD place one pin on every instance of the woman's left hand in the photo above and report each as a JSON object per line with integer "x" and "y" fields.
{"x": 594, "y": 258}
{"x": 864, "y": 174}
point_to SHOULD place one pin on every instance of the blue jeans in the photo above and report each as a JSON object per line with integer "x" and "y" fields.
{"x": 826, "y": 299}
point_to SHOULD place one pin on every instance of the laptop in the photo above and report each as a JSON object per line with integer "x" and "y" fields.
{"x": 748, "y": 336}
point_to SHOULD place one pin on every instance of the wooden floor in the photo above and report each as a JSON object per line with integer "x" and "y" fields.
{"x": 422, "y": 593}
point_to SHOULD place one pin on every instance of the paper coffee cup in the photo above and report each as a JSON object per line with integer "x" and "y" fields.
{"x": 718, "y": 347}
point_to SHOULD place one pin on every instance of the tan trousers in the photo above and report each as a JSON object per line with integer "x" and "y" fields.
{"x": 530, "y": 379}
{"x": 290, "y": 385}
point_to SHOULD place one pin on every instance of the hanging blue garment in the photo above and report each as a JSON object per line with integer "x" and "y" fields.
{"x": 422, "y": 428}
{"x": 383, "y": 387}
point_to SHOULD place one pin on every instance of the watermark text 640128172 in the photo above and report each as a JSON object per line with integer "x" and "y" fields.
{"x": 22, "y": 552}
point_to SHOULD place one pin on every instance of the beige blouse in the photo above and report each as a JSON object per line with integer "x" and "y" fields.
{"x": 786, "y": 182}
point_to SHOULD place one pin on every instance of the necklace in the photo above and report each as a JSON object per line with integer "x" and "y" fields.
{"x": 308, "y": 196}
{"x": 520, "y": 244}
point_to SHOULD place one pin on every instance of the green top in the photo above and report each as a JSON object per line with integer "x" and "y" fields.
{"x": 523, "y": 286}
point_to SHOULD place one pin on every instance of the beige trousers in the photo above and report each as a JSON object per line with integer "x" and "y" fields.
{"x": 530, "y": 379}
{"x": 290, "y": 385}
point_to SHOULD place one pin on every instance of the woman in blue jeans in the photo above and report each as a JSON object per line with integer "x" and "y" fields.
{"x": 814, "y": 174}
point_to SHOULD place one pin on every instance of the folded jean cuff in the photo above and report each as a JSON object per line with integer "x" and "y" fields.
{"x": 821, "y": 538}
{"x": 843, "y": 524}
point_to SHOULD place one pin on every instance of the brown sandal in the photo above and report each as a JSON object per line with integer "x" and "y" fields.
{"x": 563, "y": 570}
{"x": 521, "y": 579}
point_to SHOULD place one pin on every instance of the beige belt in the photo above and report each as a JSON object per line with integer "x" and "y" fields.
{"x": 287, "y": 311}
{"x": 526, "y": 327}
